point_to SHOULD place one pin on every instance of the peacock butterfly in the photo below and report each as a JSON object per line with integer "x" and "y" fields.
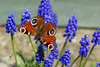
{"x": 44, "y": 31}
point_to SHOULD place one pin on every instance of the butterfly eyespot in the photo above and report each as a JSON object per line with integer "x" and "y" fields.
{"x": 22, "y": 29}
{"x": 34, "y": 21}
{"x": 51, "y": 46}
{"x": 52, "y": 32}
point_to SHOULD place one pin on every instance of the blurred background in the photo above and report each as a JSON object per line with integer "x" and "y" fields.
{"x": 87, "y": 12}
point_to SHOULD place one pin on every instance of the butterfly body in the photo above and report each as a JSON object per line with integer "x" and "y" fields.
{"x": 43, "y": 31}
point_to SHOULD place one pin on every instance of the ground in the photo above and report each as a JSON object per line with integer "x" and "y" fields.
{"x": 23, "y": 41}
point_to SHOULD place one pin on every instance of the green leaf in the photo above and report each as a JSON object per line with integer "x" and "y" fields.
{"x": 21, "y": 62}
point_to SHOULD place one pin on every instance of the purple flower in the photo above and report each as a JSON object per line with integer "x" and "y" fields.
{"x": 96, "y": 37}
{"x": 11, "y": 25}
{"x": 46, "y": 12}
{"x": 54, "y": 19}
{"x": 71, "y": 28}
{"x": 40, "y": 55}
{"x": 48, "y": 62}
{"x": 98, "y": 64}
{"x": 26, "y": 16}
{"x": 84, "y": 49}
{"x": 65, "y": 58}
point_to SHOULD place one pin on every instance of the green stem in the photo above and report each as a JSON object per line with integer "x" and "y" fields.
{"x": 81, "y": 62}
{"x": 17, "y": 45}
{"x": 37, "y": 44}
{"x": 61, "y": 53}
{"x": 21, "y": 56}
{"x": 32, "y": 44}
{"x": 88, "y": 56}
{"x": 48, "y": 52}
{"x": 41, "y": 64}
{"x": 75, "y": 60}
{"x": 12, "y": 40}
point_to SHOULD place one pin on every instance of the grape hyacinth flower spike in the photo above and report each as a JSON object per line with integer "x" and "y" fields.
{"x": 11, "y": 25}
{"x": 70, "y": 33}
{"x": 40, "y": 55}
{"x": 71, "y": 28}
{"x": 84, "y": 49}
{"x": 95, "y": 40}
{"x": 45, "y": 10}
{"x": 11, "y": 28}
{"x": 96, "y": 37}
{"x": 48, "y": 62}
{"x": 65, "y": 58}
{"x": 26, "y": 16}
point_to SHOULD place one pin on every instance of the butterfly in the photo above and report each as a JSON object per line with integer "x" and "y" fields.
{"x": 45, "y": 31}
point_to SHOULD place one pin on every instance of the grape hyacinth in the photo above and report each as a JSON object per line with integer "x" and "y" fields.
{"x": 48, "y": 62}
{"x": 65, "y": 58}
{"x": 40, "y": 55}
{"x": 46, "y": 12}
{"x": 71, "y": 28}
{"x": 98, "y": 64}
{"x": 96, "y": 37}
{"x": 11, "y": 25}
{"x": 54, "y": 18}
{"x": 26, "y": 16}
{"x": 84, "y": 49}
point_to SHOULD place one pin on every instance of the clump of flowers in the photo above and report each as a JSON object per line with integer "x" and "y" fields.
{"x": 71, "y": 28}
{"x": 96, "y": 37}
{"x": 84, "y": 49}
{"x": 11, "y": 25}
{"x": 26, "y": 16}
{"x": 46, "y": 12}
{"x": 65, "y": 58}
{"x": 40, "y": 55}
{"x": 48, "y": 61}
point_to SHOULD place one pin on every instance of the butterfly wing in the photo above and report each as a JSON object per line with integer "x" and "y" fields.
{"x": 46, "y": 33}
{"x": 32, "y": 27}
{"x": 27, "y": 28}
{"x": 49, "y": 41}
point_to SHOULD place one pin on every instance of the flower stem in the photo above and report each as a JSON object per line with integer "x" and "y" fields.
{"x": 81, "y": 62}
{"x": 48, "y": 52}
{"x": 12, "y": 40}
{"x": 17, "y": 45}
{"x": 37, "y": 44}
{"x": 88, "y": 56}
{"x": 41, "y": 64}
{"x": 75, "y": 60}
{"x": 32, "y": 44}
{"x": 61, "y": 53}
